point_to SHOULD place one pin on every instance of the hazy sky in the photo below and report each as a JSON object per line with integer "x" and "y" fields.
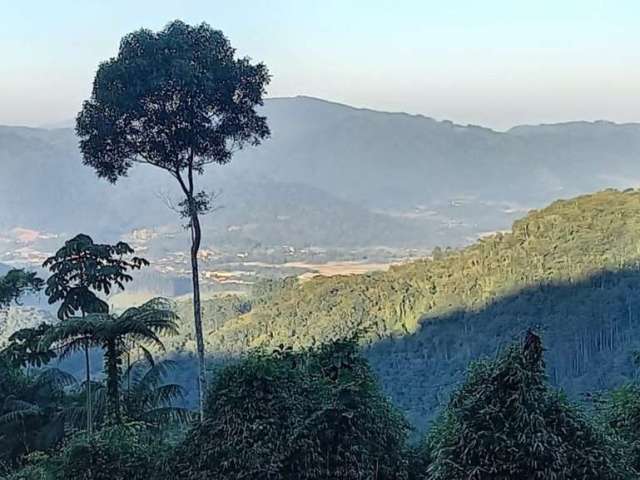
{"x": 489, "y": 62}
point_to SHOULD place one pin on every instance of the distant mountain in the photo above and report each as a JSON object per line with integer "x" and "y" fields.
{"x": 398, "y": 160}
{"x": 330, "y": 175}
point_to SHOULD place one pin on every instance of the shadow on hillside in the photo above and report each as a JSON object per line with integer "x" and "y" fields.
{"x": 590, "y": 329}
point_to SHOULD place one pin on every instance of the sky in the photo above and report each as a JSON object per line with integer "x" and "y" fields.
{"x": 496, "y": 63}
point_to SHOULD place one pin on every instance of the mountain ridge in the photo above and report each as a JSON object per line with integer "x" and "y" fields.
{"x": 331, "y": 176}
{"x": 69, "y": 123}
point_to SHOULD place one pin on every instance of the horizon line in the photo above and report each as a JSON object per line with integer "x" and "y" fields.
{"x": 65, "y": 126}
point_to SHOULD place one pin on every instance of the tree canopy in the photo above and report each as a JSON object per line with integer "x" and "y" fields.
{"x": 16, "y": 283}
{"x": 177, "y": 99}
{"x": 505, "y": 423}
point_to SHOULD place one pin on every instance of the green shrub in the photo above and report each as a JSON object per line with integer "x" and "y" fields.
{"x": 619, "y": 412}
{"x": 505, "y": 423}
{"x": 312, "y": 415}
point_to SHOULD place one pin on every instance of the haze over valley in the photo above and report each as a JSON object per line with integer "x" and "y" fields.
{"x": 333, "y": 184}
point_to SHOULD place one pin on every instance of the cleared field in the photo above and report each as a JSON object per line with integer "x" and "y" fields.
{"x": 339, "y": 268}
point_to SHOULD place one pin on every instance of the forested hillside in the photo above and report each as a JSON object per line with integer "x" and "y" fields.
{"x": 570, "y": 269}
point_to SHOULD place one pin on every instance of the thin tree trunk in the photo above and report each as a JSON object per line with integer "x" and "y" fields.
{"x": 113, "y": 378}
{"x": 87, "y": 367}
{"x": 197, "y": 317}
{"x": 196, "y": 237}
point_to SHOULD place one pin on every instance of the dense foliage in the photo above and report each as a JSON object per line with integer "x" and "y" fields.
{"x": 505, "y": 423}
{"x": 41, "y": 407}
{"x": 619, "y": 413}
{"x": 316, "y": 414}
{"x": 123, "y": 452}
{"x": 42, "y": 414}
{"x": 564, "y": 243}
{"x": 319, "y": 414}
{"x": 16, "y": 283}
{"x": 570, "y": 270}
{"x": 180, "y": 100}
{"x": 116, "y": 335}
{"x": 32, "y": 411}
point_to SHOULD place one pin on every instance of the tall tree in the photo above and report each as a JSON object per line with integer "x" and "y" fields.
{"x": 80, "y": 270}
{"x": 178, "y": 100}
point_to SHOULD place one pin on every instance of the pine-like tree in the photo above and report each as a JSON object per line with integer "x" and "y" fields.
{"x": 505, "y": 423}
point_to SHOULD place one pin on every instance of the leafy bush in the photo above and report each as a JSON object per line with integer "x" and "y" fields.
{"x": 316, "y": 414}
{"x": 123, "y": 452}
{"x": 31, "y": 410}
{"x": 619, "y": 411}
{"x": 505, "y": 423}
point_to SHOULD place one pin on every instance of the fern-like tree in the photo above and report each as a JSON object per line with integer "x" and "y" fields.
{"x": 32, "y": 410}
{"x": 81, "y": 270}
{"x": 115, "y": 335}
{"x": 178, "y": 100}
{"x": 505, "y": 423}
{"x": 147, "y": 396}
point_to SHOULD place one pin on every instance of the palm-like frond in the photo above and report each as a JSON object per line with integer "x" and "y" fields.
{"x": 72, "y": 334}
{"x": 155, "y": 375}
{"x": 163, "y": 415}
{"x": 168, "y": 393}
{"x": 148, "y": 357}
{"x": 56, "y": 377}
{"x": 76, "y": 416}
{"x": 100, "y": 400}
{"x": 13, "y": 403}
{"x": 75, "y": 345}
{"x": 137, "y": 331}
{"x": 150, "y": 399}
{"x": 20, "y": 415}
{"x": 158, "y": 313}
